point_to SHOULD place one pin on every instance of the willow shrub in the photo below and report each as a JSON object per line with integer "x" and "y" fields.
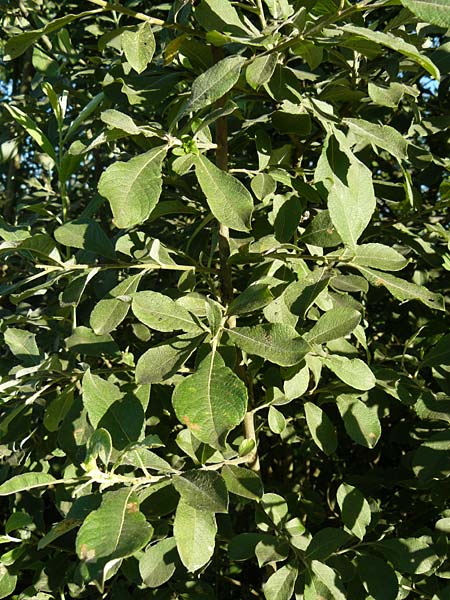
{"x": 225, "y": 357}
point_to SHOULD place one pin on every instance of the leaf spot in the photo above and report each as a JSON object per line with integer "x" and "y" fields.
{"x": 132, "y": 507}
{"x": 193, "y": 426}
{"x": 86, "y": 554}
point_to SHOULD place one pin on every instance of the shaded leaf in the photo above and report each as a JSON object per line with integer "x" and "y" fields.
{"x": 158, "y": 563}
{"x": 361, "y": 422}
{"x": 378, "y": 577}
{"x": 355, "y": 509}
{"x": 397, "y": 44}
{"x": 321, "y": 428}
{"x": 242, "y": 482}
{"x": 202, "y": 490}
{"x": 162, "y": 361}
{"x": 403, "y": 290}
{"x": 111, "y": 311}
{"x": 325, "y": 542}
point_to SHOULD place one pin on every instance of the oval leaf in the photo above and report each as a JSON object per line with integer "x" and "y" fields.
{"x": 133, "y": 188}
{"x": 127, "y": 530}
{"x": 211, "y": 402}
{"x": 229, "y": 200}
{"x": 160, "y": 312}
{"x": 352, "y": 371}
{"x": 139, "y": 46}
{"x": 276, "y": 342}
{"x": 321, "y": 428}
{"x": 195, "y": 534}
{"x": 203, "y": 490}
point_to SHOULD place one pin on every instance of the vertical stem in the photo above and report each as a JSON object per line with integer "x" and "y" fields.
{"x": 226, "y": 278}
{"x": 262, "y": 17}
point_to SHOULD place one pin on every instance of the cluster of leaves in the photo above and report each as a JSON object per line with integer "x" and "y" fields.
{"x": 225, "y": 370}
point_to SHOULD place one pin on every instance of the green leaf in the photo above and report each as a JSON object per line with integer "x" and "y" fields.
{"x": 242, "y": 482}
{"x": 439, "y": 354}
{"x": 378, "y": 577}
{"x": 271, "y": 550}
{"x": 301, "y": 295}
{"x": 281, "y": 584}
{"x": 138, "y": 45}
{"x": 242, "y": 546}
{"x": 436, "y": 12}
{"x": 58, "y": 408}
{"x": 199, "y": 401}
{"x": 325, "y": 542}
{"x": 112, "y": 310}
{"x": 335, "y": 323}
{"x": 296, "y": 386}
{"x": 118, "y": 120}
{"x": 361, "y": 422}
{"x": 261, "y": 69}
{"x": 220, "y": 15}
{"x": 403, "y": 290}
{"x": 86, "y": 234}
{"x": 8, "y": 582}
{"x": 202, "y": 490}
{"x": 321, "y": 231}
{"x": 352, "y": 371}
{"x": 383, "y": 136}
{"x": 387, "y": 96}
{"x": 229, "y": 200}
{"x": 160, "y": 312}
{"x": 133, "y": 188}
{"x": 32, "y": 129}
{"x": 98, "y": 396}
{"x": 252, "y": 298}
{"x": 162, "y": 361}
{"x": 273, "y": 341}
{"x": 158, "y": 563}
{"x": 195, "y": 533}
{"x": 25, "y": 482}
{"x": 22, "y": 344}
{"x": 379, "y": 256}
{"x": 323, "y": 582}
{"x": 321, "y": 428}
{"x": 126, "y": 532}
{"x": 355, "y": 509}
{"x": 397, "y": 44}
{"x": 276, "y": 420}
{"x": 263, "y": 185}
{"x": 413, "y": 555}
{"x": 214, "y": 83}
{"x": 19, "y": 44}
{"x": 351, "y": 206}
{"x": 84, "y": 341}
{"x": 275, "y": 507}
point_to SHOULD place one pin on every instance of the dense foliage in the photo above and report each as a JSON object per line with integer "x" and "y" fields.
{"x": 225, "y": 243}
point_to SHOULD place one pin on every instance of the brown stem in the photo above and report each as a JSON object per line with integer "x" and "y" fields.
{"x": 226, "y": 278}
